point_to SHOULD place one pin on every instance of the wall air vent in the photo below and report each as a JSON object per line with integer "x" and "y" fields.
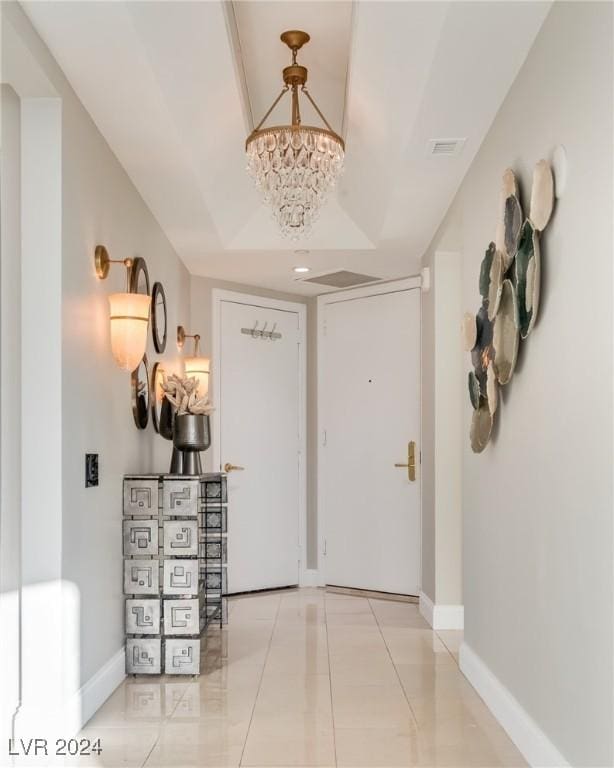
{"x": 342, "y": 279}
{"x": 447, "y": 147}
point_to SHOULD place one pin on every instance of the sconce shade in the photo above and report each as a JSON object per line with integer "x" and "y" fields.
{"x": 129, "y": 314}
{"x": 199, "y": 368}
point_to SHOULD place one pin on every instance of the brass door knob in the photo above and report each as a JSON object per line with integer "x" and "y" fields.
{"x": 411, "y": 461}
{"x": 228, "y": 467}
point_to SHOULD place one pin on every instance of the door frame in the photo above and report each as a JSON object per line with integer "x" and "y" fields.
{"x": 218, "y": 296}
{"x": 393, "y": 286}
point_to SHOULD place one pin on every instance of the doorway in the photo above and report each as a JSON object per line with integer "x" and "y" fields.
{"x": 369, "y": 432}
{"x": 259, "y": 435}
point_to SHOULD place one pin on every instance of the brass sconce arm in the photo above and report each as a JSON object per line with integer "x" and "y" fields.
{"x": 182, "y": 336}
{"x": 103, "y": 263}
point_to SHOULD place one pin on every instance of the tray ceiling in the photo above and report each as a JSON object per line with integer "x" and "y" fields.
{"x": 174, "y": 87}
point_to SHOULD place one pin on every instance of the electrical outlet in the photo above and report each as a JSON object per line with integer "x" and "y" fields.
{"x": 91, "y": 469}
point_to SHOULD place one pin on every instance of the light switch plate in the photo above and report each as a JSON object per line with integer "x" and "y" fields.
{"x": 91, "y": 469}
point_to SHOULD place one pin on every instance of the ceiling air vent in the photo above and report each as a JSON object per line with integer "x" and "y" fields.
{"x": 342, "y": 279}
{"x": 448, "y": 147}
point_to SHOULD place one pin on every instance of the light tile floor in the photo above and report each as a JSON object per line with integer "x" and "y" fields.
{"x": 309, "y": 678}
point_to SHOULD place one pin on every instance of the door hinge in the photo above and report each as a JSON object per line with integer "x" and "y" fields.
{"x": 324, "y": 436}
{"x": 324, "y": 547}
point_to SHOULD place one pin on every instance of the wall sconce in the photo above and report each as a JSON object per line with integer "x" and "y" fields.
{"x": 129, "y": 315}
{"x": 196, "y": 365}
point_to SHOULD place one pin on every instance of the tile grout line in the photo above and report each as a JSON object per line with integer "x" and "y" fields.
{"x": 167, "y": 719}
{"x": 153, "y": 746}
{"x": 266, "y": 658}
{"x": 396, "y": 671}
{"x": 330, "y": 682}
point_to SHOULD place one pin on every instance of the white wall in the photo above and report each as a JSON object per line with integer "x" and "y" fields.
{"x": 441, "y": 433}
{"x": 429, "y": 579}
{"x": 10, "y": 409}
{"x": 41, "y": 410}
{"x": 537, "y": 504}
{"x": 102, "y": 206}
{"x": 99, "y": 204}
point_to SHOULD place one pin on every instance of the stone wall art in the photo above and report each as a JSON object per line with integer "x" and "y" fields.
{"x": 509, "y": 284}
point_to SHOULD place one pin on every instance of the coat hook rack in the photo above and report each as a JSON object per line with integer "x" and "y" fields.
{"x": 271, "y": 335}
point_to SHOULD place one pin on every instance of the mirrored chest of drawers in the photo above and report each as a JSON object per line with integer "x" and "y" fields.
{"x": 175, "y": 553}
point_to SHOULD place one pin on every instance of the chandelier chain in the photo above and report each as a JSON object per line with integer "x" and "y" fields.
{"x": 284, "y": 90}
{"x": 296, "y": 110}
{"x": 317, "y": 109}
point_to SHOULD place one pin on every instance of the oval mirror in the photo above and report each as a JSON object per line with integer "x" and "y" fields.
{"x": 158, "y": 317}
{"x": 139, "y": 383}
{"x": 139, "y": 277}
{"x": 156, "y": 395}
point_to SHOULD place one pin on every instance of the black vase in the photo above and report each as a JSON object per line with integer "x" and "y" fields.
{"x": 191, "y": 435}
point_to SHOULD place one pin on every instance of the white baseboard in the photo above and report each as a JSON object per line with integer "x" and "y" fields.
{"x": 93, "y": 694}
{"x": 426, "y": 606}
{"x": 66, "y": 718}
{"x": 535, "y": 746}
{"x": 442, "y": 616}
{"x": 310, "y": 577}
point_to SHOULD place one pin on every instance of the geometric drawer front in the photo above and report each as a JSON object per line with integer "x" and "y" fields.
{"x": 140, "y": 497}
{"x": 181, "y": 577}
{"x": 180, "y": 537}
{"x": 142, "y": 616}
{"x": 181, "y": 617}
{"x": 143, "y": 657}
{"x": 175, "y": 580}
{"x": 181, "y": 657}
{"x": 215, "y": 579}
{"x": 180, "y": 497}
{"x": 215, "y": 490}
{"x": 213, "y": 549}
{"x": 140, "y": 537}
{"x": 215, "y": 519}
{"x": 141, "y": 577}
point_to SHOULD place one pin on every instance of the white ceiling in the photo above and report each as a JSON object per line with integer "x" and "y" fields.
{"x": 263, "y": 56}
{"x": 175, "y": 87}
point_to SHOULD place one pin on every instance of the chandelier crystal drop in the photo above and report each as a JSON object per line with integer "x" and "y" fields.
{"x": 294, "y": 166}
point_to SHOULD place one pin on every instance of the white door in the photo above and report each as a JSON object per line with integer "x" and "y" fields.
{"x": 259, "y": 411}
{"x": 370, "y": 400}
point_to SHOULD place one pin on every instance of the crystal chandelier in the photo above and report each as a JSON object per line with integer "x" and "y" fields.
{"x": 294, "y": 165}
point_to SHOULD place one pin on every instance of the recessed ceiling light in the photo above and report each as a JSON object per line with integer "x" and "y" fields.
{"x": 302, "y": 269}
